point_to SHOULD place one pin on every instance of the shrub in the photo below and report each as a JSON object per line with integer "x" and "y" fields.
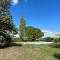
{"x": 14, "y": 44}
{"x": 17, "y": 40}
{"x": 48, "y": 39}
{"x": 56, "y": 40}
{"x": 56, "y": 45}
{"x": 5, "y": 39}
{"x": 57, "y": 55}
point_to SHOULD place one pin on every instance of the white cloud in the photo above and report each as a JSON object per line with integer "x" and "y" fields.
{"x": 15, "y": 2}
{"x": 48, "y": 33}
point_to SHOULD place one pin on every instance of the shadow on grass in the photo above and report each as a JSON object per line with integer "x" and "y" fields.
{"x": 7, "y": 46}
{"x": 57, "y": 55}
{"x": 14, "y": 44}
{"x": 55, "y": 45}
{"x": 4, "y": 46}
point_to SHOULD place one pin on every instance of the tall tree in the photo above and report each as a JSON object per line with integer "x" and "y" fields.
{"x": 6, "y": 23}
{"x": 22, "y": 28}
{"x": 5, "y": 16}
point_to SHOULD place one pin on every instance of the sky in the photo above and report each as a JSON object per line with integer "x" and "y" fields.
{"x": 43, "y": 14}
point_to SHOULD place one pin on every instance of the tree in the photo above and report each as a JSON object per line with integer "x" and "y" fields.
{"x": 33, "y": 33}
{"x": 5, "y": 16}
{"x": 57, "y": 38}
{"x": 22, "y": 28}
{"x": 6, "y": 23}
{"x": 5, "y": 5}
{"x": 15, "y": 29}
{"x": 49, "y": 39}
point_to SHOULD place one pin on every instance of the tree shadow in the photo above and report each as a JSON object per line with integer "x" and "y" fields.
{"x": 57, "y": 56}
{"x": 14, "y": 44}
{"x": 7, "y": 46}
{"x": 55, "y": 45}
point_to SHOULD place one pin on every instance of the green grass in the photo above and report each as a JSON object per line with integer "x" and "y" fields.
{"x": 29, "y": 52}
{"x": 43, "y": 52}
{"x": 17, "y": 40}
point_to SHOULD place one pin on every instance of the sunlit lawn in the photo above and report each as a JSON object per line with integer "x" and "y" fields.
{"x": 29, "y": 52}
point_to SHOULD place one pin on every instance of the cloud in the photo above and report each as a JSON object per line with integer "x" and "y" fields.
{"x": 14, "y": 2}
{"x": 48, "y": 33}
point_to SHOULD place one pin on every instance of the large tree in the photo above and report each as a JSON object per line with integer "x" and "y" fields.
{"x": 5, "y": 16}
{"x": 22, "y": 28}
{"x": 6, "y": 22}
{"x": 33, "y": 33}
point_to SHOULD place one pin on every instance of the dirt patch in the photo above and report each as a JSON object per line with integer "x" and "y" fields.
{"x": 18, "y": 53}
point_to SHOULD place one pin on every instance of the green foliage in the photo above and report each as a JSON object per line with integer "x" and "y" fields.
{"x": 57, "y": 40}
{"x": 41, "y": 39}
{"x": 17, "y": 40}
{"x": 49, "y": 39}
{"x": 6, "y": 23}
{"x": 33, "y": 33}
{"x": 5, "y": 5}
{"x": 22, "y": 28}
{"x": 56, "y": 45}
{"x": 29, "y": 33}
{"x": 14, "y": 28}
{"x": 57, "y": 55}
{"x": 5, "y": 39}
{"x": 5, "y": 16}
{"x": 0, "y": 9}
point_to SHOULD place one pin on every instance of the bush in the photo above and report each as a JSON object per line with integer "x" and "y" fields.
{"x": 20, "y": 40}
{"x": 8, "y": 41}
{"x": 56, "y": 40}
{"x": 42, "y": 39}
{"x": 17, "y": 40}
{"x": 14, "y": 44}
{"x": 48, "y": 39}
{"x": 5, "y": 39}
{"x": 57, "y": 55}
{"x": 56, "y": 45}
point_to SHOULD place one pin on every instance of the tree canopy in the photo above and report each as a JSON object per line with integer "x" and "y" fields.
{"x": 5, "y": 5}
{"x": 33, "y": 33}
{"x": 6, "y": 22}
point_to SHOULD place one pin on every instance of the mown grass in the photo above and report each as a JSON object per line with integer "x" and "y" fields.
{"x": 29, "y": 52}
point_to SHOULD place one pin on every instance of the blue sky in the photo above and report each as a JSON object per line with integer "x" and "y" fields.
{"x": 44, "y": 14}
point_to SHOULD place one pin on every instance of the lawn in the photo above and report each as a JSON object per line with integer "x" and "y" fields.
{"x": 28, "y": 52}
